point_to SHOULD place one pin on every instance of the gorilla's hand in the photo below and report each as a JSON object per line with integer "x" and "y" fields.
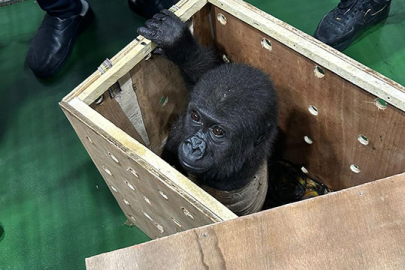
{"x": 166, "y": 30}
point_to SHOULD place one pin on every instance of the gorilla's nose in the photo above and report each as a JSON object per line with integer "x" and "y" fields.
{"x": 197, "y": 144}
{"x": 194, "y": 147}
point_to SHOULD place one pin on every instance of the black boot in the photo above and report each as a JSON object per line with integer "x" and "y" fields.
{"x": 340, "y": 27}
{"x": 148, "y": 8}
{"x": 53, "y": 42}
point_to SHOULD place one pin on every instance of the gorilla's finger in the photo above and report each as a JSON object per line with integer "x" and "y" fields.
{"x": 167, "y": 12}
{"x": 146, "y": 32}
{"x": 158, "y": 51}
{"x": 154, "y": 24}
{"x": 159, "y": 17}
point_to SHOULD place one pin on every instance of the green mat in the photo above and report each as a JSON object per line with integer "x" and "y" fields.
{"x": 55, "y": 209}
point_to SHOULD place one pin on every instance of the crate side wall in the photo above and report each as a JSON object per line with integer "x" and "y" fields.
{"x": 319, "y": 105}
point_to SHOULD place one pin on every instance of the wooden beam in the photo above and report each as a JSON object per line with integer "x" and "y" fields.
{"x": 357, "y": 228}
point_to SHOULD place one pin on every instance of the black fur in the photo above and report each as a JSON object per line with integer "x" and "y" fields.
{"x": 238, "y": 99}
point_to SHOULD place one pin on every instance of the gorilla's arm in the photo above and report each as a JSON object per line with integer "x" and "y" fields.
{"x": 178, "y": 45}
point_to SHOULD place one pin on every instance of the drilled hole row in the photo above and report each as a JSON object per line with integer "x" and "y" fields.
{"x": 158, "y": 226}
{"x": 361, "y": 138}
{"x": 354, "y": 168}
{"x": 133, "y": 188}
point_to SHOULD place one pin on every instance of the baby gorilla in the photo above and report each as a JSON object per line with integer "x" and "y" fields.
{"x": 227, "y": 131}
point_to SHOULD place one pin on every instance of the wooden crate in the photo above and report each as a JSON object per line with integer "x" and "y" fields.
{"x": 353, "y": 115}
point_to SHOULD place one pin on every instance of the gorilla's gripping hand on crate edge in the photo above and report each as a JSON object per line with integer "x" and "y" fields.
{"x": 176, "y": 42}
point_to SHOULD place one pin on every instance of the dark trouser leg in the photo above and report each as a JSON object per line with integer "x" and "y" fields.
{"x": 61, "y": 8}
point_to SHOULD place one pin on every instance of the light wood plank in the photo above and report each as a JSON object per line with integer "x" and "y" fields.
{"x": 357, "y": 228}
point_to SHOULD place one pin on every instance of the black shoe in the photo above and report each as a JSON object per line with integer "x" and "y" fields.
{"x": 340, "y": 27}
{"x": 53, "y": 42}
{"x": 148, "y": 8}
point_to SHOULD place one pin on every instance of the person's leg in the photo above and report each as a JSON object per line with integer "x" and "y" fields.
{"x": 339, "y": 28}
{"x": 54, "y": 40}
{"x": 61, "y": 8}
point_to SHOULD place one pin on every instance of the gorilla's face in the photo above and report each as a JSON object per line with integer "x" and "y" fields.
{"x": 229, "y": 122}
{"x": 206, "y": 140}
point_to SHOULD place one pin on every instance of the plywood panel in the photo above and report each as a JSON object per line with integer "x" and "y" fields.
{"x": 344, "y": 111}
{"x": 202, "y": 27}
{"x": 357, "y": 228}
{"x": 149, "y": 199}
{"x": 161, "y": 95}
{"x": 112, "y": 111}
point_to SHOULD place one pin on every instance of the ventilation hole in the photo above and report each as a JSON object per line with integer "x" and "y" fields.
{"x": 125, "y": 201}
{"x": 304, "y": 170}
{"x": 381, "y": 104}
{"x": 363, "y": 139}
{"x": 204, "y": 234}
{"x": 132, "y": 218}
{"x": 319, "y": 73}
{"x": 163, "y": 195}
{"x": 147, "y": 200}
{"x": 313, "y": 110}
{"x": 99, "y": 100}
{"x": 160, "y": 228}
{"x": 143, "y": 43}
{"x": 266, "y": 44}
{"x": 113, "y": 157}
{"x": 355, "y": 168}
{"x": 226, "y": 59}
{"x": 146, "y": 215}
{"x": 130, "y": 186}
{"x": 187, "y": 213}
{"x": 163, "y": 101}
{"x": 308, "y": 140}
{"x": 107, "y": 170}
{"x": 133, "y": 172}
{"x": 148, "y": 57}
{"x": 113, "y": 188}
{"x": 89, "y": 139}
{"x": 176, "y": 222}
{"x": 221, "y": 18}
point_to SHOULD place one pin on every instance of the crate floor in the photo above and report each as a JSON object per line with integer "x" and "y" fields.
{"x": 54, "y": 205}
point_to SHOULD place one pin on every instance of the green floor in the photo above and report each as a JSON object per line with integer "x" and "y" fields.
{"x": 54, "y": 205}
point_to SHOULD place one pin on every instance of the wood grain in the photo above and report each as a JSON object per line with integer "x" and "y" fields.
{"x": 357, "y": 228}
{"x": 345, "y": 111}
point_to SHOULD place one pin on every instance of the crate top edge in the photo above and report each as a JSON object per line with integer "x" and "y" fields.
{"x": 322, "y": 54}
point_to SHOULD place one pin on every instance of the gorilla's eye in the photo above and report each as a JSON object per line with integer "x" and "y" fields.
{"x": 195, "y": 116}
{"x": 217, "y": 131}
